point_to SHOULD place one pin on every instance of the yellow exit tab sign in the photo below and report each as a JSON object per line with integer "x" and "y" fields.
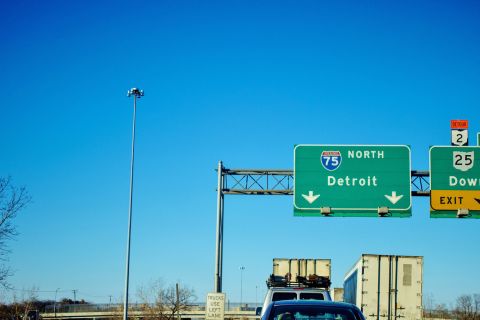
{"x": 455, "y": 199}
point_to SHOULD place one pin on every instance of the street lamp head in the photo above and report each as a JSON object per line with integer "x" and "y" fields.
{"x": 135, "y": 92}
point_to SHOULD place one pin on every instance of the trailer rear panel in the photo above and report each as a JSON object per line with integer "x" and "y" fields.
{"x": 386, "y": 287}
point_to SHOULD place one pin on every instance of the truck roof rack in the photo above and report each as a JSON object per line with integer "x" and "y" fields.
{"x": 311, "y": 281}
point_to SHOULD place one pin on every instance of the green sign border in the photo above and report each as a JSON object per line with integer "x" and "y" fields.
{"x": 453, "y": 214}
{"x": 354, "y": 212}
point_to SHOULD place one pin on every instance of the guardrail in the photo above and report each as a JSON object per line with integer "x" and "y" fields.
{"x": 191, "y": 314}
{"x": 112, "y": 307}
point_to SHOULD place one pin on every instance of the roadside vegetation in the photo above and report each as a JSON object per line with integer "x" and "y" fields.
{"x": 466, "y": 307}
{"x": 160, "y": 302}
{"x": 28, "y": 306}
{"x": 154, "y": 300}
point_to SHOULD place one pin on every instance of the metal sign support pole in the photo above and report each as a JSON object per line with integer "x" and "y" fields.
{"x": 219, "y": 237}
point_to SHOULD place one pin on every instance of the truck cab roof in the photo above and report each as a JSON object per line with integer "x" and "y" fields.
{"x": 294, "y": 293}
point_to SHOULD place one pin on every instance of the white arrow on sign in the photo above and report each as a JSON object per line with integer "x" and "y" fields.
{"x": 394, "y": 198}
{"x": 310, "y": 198}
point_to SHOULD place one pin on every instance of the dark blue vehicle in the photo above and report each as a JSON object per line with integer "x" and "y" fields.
{"x": 312, "y": 310}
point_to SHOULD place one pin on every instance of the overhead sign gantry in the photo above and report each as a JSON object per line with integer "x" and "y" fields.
{"x": 353, "y": 180}
{"x": 271, "y": 182}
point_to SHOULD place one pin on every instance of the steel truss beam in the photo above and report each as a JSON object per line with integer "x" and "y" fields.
{"x": 280, "y": 182}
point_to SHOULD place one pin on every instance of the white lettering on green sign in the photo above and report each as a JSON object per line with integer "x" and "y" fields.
{"x": 369, "y": 181}
{"x": 365, "y": 154}
{"x": 454, "y": 181}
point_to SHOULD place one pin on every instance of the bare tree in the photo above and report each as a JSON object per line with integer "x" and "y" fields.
{"x": 160, "y": 303}
{"x": 428, "y": 305}
{"x": 441, "y": 311}
{"x": 12, "y": 200}
{"x": 432, "y": 310}
{"x": 468, "y": 307}
{"x": 22, "y": 305}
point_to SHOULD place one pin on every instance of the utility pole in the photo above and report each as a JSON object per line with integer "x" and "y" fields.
{"x": 74, "y": 296}
{"x": 55, "y": 303}
{"x": 137, "y": 94}
{"x": 74, "y": 299}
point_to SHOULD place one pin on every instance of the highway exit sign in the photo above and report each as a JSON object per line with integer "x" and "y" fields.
{"x": 352, "y": 180}
{"x": 454, "y": 181}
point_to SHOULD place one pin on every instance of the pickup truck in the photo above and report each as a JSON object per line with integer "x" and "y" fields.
{"x": 281, "y": 288}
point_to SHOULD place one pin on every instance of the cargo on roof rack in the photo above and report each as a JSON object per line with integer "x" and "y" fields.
{"x": 311, "y": 281}
{"x": 300, "y": 272}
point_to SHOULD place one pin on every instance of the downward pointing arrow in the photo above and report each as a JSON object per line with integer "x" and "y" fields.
{"x": 310, "y": 198}
{"x": 394, "y": 198}
{"x": 478, "y": 200}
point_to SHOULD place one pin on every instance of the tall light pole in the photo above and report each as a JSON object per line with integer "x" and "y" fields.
{"x": 241, "y": 286}
{"x": 136, "y": 93}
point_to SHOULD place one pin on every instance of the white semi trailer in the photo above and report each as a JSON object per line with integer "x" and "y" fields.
{"x": 386, "y": 287}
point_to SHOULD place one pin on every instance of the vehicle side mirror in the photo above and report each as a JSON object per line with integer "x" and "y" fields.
{"x": 258, "y": 311}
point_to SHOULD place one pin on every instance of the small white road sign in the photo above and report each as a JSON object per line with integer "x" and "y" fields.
{"x": 215, "y": 309}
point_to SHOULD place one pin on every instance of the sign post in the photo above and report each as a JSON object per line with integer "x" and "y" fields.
{"x": 215, "y": 308}
{"x": 455, "y": 182}
{"x": 352, "y": 180}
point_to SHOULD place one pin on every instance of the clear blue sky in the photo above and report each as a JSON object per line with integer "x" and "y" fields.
{"x": 238, "y": 81}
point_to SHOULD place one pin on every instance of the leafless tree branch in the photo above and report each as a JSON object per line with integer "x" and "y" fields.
{"x": 160, "y": 303}
{"x": 468, "y": 307}
{"x": 12, "y": 201}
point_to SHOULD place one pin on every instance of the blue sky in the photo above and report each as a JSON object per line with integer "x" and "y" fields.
{"x": 238, "y": 81}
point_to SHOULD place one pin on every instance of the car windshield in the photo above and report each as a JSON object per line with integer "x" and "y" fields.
{"x": 302, "y": 312}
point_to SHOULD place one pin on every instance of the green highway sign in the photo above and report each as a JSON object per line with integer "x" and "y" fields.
{"x": 352, "y": 180}
{"x": 455, "y": 181}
